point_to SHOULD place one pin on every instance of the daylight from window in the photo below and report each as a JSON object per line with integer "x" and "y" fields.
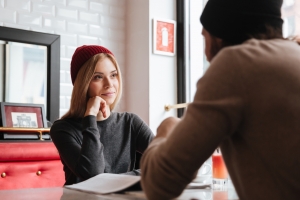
{"x": 197, "y": 63}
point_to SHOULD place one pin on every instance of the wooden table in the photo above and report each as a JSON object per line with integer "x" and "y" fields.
{"x": 60, "y": 193}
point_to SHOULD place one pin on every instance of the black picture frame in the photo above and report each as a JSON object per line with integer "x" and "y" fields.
{"x": 21, "y": 115}
{"x": 52, "y": 42}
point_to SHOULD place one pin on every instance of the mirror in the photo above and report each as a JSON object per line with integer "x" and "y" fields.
{"x": 30, "y": 69}
{"x": 25, "y": 73}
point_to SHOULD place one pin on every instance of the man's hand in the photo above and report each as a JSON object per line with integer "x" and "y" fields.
{"x": 165, "y": 128}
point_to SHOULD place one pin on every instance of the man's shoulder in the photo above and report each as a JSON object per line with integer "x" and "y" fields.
{"x": 260, "y": 47}
{"x": 254, "y": 50}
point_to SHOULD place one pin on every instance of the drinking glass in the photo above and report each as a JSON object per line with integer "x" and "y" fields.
{"x": 220, "y": 174}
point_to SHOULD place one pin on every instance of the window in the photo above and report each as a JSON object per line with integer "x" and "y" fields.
{"x": 291, "y": 17}
{"x": 288, "y": 3}
{"x": 289, "y": 26}
{"x": 196, "y": 60}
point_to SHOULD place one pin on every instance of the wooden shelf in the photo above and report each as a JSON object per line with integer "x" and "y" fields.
{"x": 35, "y": 130}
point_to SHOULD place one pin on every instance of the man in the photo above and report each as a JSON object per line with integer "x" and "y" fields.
{"x": 247, "y": 103}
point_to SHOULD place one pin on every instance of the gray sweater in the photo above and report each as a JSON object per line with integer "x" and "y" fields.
{"x": 88, "y": 147}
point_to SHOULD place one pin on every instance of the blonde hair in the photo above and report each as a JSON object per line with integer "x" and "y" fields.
{"x": 80, "y": 96}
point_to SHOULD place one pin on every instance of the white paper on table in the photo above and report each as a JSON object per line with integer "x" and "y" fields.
{"x": 106, "y": 183}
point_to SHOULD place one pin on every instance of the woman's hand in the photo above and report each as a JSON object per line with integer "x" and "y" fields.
{"x": 95, "y": 105}
{"x": 166, "y": 127}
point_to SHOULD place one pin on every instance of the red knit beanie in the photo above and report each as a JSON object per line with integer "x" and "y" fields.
{"x": 83, "y": 54}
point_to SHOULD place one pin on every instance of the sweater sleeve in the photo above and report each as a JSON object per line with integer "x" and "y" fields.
{"x": 84, "y": 159}
{"x": 144, "y": 134}
{"x": 169, "y": 164}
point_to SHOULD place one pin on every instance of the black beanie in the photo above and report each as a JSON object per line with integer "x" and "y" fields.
{"x": 234, "y": 20}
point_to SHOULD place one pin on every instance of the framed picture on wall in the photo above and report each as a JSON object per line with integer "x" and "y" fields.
{"x": 19, "y": 115}
{"x": 164, "y": 37}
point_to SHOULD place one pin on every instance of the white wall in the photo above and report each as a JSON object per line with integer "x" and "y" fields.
{"x": 137, "y": 58}
{"x": 123, "y": 26}
{"x": 163, "y": 84}
{"x": 78, "y": 22}
{"x": 151, "y": 78}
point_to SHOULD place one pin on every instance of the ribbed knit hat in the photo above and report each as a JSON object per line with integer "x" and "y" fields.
{"x": 235, "y": 20}
{"x": 82, "y": 55}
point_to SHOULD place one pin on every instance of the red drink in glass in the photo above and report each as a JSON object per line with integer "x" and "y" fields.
{"x": 220, "y": 174}
{"x": 219, "y": 167}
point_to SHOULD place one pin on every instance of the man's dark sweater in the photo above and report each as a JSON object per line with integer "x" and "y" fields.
{"x": 88, "y": 147}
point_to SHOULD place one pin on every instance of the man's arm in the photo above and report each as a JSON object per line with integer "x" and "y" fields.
{"x": 170, "y": 163}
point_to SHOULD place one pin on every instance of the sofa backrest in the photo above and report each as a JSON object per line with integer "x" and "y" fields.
{"x": 30, "y": 165}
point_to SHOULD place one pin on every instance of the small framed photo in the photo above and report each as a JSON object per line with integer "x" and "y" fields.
{"x": 164, "y": 37}
{"x": 18, "y": 115}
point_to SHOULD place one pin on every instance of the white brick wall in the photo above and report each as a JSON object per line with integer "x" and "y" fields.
{"x": 78, "y": 22}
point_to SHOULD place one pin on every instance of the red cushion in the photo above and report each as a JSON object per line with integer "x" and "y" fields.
{"x": 18, "y": 151}
{"x": 24, "y": 174}
{"x": 21, "y": 161}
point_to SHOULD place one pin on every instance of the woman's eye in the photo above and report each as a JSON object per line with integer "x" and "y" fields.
{"x": 114, "y": 75}
{"x": 97, "y": 77}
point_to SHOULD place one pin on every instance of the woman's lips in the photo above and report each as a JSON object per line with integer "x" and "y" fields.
{"x": 109, "y": 94}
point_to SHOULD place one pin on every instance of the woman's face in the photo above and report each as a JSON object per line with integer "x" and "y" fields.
{"x": 105, "y": 81}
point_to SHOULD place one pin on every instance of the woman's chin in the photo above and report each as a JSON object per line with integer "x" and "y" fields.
{"x": 109, "y": 101}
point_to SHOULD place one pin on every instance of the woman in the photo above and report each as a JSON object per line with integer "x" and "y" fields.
{"x": 90, "y": 138}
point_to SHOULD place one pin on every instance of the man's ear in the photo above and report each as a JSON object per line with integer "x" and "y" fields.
{"x": 219, "y": 42}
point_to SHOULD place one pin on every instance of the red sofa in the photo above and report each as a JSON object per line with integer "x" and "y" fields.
{"x": 30, "y": 165}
